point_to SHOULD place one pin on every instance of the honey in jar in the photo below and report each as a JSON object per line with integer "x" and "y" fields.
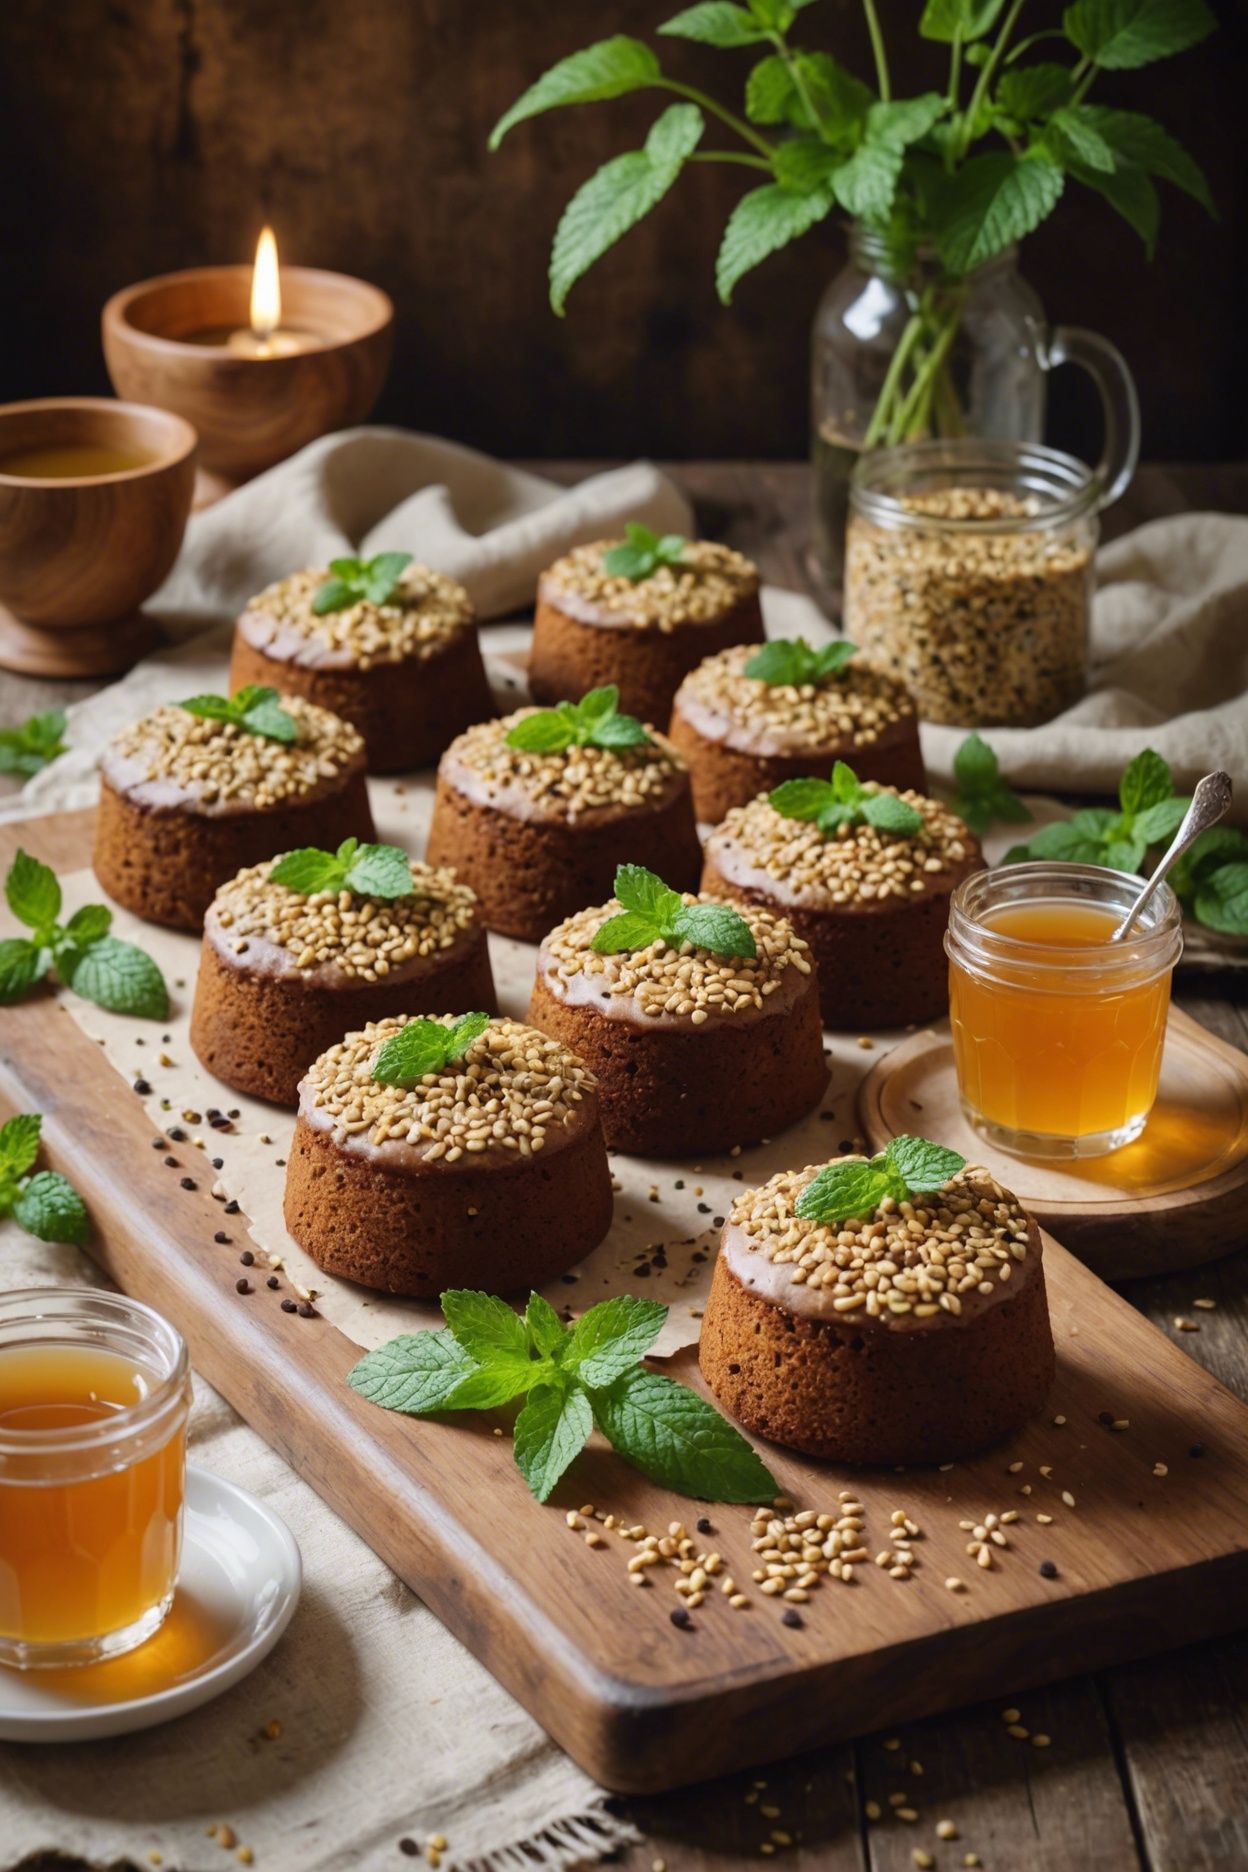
{"x": 1057, "y": 1032}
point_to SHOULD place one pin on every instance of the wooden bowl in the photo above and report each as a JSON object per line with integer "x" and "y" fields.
{"x": 164, "y": 343}
{"x": 80, "y": 553}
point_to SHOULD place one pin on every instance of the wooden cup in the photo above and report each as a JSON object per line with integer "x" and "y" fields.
{"x": 250, "y": 412}
{"x": 79, "y": 554}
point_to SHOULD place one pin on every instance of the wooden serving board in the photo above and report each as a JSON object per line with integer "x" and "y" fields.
{"x": 1146, "y": 1559}
{"x": 1175, "y": 1198}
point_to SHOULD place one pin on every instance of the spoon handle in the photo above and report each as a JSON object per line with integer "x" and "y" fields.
{"x": 1210, "y": 802}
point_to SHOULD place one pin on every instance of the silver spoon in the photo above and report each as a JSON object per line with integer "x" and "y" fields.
{"x": 1210, "y": 802}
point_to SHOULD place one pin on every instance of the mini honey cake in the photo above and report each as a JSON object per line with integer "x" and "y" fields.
{"x": 393, "y": 649}
{"x": 747, "y": 719}
{"x": 476, "y": 1159}
{"x": 701, "y": 1025}
{"x": 865, "y": 874}
{"x": 195, "y": 791}
{"x": 641, "y": 616}
{"x": 856, "y": 1318}
{"x": 535, "y": 811}
{"x": 300, "y": 952}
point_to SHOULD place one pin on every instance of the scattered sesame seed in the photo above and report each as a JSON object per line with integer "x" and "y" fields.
{"x": 1160, "y": 1469}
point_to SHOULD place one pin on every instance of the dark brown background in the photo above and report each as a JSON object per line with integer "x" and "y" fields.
{"x": 141, "y": 135}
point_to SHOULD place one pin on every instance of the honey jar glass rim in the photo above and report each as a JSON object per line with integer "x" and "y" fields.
{"x": 105, "y": 1322}
{"x": 1068, "y": 489}
{"x": 1152, "y": 949}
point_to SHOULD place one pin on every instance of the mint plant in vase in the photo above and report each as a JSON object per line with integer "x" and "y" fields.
{"x": 930, "y": 330}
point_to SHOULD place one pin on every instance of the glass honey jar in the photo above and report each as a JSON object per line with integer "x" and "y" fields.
{"x": 1057, "y": 1032}
{"x": 94, "y": 1397}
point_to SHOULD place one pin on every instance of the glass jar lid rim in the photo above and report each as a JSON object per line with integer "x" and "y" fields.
{"x": 49, "y": 1304}
{"x": 1068, "y": 487}
{"x": 1160, "y": 931}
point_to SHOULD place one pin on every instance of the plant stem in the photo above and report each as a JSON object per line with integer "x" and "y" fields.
{"x": 892, "y": 379}
{"x": 731, "y": 156}
{"x": 909, "y": 419}
{"x": 877, "y": 48}
{"x": 799, "y": 83}
{"x": 716, "y": 109}
{"x": 987, "y": 72}
{"x": 955, "y": 70}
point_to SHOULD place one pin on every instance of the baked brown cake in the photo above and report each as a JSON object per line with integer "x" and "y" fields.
{"x": 407, "y": 672}
{"x": 592, "y": 628}
{"x": 538, "y": 836}
{"x": 742, "y": 735}
{"x": 692, "y": 1051}
{"x": 492, "y": 1174}
{"x": 185, "y": 802}
{"x": 918, "y": 1333}
{"x": 872, "y": 904}
{"x": 282, "y": 976}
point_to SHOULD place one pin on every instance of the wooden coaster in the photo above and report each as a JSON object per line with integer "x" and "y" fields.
{"x": 1175, "y": 1198}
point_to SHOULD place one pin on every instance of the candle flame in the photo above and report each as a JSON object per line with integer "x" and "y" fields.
{"x": 266, "y": 287}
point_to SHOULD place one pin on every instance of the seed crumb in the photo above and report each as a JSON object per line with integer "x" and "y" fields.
{"x": 946, "y": 1830}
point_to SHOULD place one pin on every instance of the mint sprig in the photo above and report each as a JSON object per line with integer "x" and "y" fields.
{"x": 422, "y": 1047}
{"x": 254, "y": 708}
{"x": 31, "y": 745}
{"x": 360, "y": 581}
{"x": 594, "y": 721}
{"x": 652, "y": 913}
{"x": 115, "y": 975}
{"x": 368, "y": 870}
{"x": 642, "y": 553}
{"x": 982, "y": 795}
{"x": 835, "y": 805}
{"x": 790, "y": 662}
{"x": 45, "y": 1204}
{"x": 570, "y": 1379}
{"x": 910, "y": 1166}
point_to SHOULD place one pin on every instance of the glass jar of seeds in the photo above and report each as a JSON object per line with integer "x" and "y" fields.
{"x": 969, "y": 573}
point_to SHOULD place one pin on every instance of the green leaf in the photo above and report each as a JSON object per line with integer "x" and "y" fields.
{"x": 382, "y": 871}
{"x": 791, "y": 662}
{"x": 887, "y": 813}
{"x": 309, "y": 871}
{"x": 632, "y": 930}
{"x": 842, "y": 1191}
{"x": 462, "y": 1033}
{"x": 1159, "y": 822}
{"x": 802, "y": 799}
{"x": 612, "y": 1336}
{"x": 19, "y": 1144}
{"x": 1138, "y": 139}
{"x": 1146, "y": 781}
{"x": 993, "y": 200}
{"x": 717, "y": 23}
{"x": 1121, "y": 35}
{"x": 266, "y": 716}
{"x": 334, "y": 594}
{"x": 924, "y": 1167}
{"x": 975, "y": 766}
{"x": 547, "y": 1332}
{"x": 120, "y": 977}
{"x": 762, "y": 222}
{"x": 771, "y": 96}
{"x": 1068, "y": 133}
{"x": 551, "y": 1431}
{"x": 608, "y": 69}
{"x": 716, "y": 928}
{"x": 546, "y": 732}
{"x": 422, "y": 1047}
{"x": 906, "y": 120}
{"x": 982, "y": 795}
{"x": 1222, "y": 900}
{"x": 209, "y": 707}
{"x": 841, "y": 100}
{"x": 89, "y": 924}
{"x": 1128, "y": 191}
{"x": 617, "y": 197}
{"x": 947, "y": 20}
{"x": 32, "y": 892}
{"x": 805, "y": 163}
{"x": 50, "y": 1208}
{"x": 382, "y": 573}
{"x": 484, "y": 1325}
{"x": 36, "y": 741}
{"x": 866, "y": 184}
{"x": 677, "y": 1439}
{"x": 21, "y": 965}
{"x": 1034, "y": 91}
{"x": 415, "y": 1373}
{"x": 640, "y": 890}
{"x": 1123, "y": 854}
{"x": 619, "y": 731}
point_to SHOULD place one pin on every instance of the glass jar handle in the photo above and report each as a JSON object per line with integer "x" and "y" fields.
{"x": 1120, "y": 405}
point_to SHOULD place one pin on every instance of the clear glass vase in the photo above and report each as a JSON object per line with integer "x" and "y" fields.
{"x": 902, "y": 353}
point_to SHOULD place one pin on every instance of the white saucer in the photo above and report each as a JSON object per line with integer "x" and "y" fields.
{"x": 238, "y": 1586}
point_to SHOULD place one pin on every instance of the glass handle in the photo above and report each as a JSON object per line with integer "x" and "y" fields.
{"x": 1120, "y": 405}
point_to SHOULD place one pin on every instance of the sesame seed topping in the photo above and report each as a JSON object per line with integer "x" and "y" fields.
{"x": 849, "y": 710}
{"x": 424, "y": 613}
{"x": 367, "y": 938}
{"x": 708, "y": 580}
{"x": 566, "y": 785}
{"x": 217, "y": 765}
{"x": 505, "y": 1095}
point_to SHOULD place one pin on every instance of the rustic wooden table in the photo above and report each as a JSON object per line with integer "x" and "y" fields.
{"x": 1145, "y": 1765}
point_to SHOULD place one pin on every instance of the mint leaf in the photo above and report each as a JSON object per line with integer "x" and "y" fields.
{"x": 381, "y": 575}
{"x": 844, "y": 1190}
{"x": 1121, "y": 35}
{"x": 380, "y": 871}
{"x": 595, "y": 720}
{"x": 887, "y": 813}
{"x": 640, "y": 890}
{"x": 641, "y": 554}
{"x": 32, "y": 892}
{"x": 309, "y": 871}
{"x": 333, "y": 595}
{"x": 1128, "y": 191}
{"x": 546, "y": 732}
{"x": 801, "y": 799}
{"x": 990, "y": 202}
{"x": 19, "y": 1144}
{"x": 416, "y": 1373}
{"x": 50, "y": 1208}
{"x": 484, "y": 1325}
{"x": 88, "y": 925}
{"x": 653, "y": 913}
{"x": 616, "y": 198}
{"x": 209, "y": 707}
{"x": 629, "y": 931}
{"x": 763, "y": 221}
{"x": 677, "y": 1439}
{"x": 1068, "y": 133}
{"x": 843, "y": 801}
{"x": 792, "y": 662}
{"x": 611, "y": 1337}
{"x": 1222, "y": 900}
{"x": 902, "y": 121}
{"x": 924, "y": 1167}
{"x": 29, "y": 747}
{"x": 608, "y": 69}
{"x": 866, "y": 184}
{"x": 1034, "y": 91}
{"x": 772, "y": 97}
{"x": 1146, "y": 781}
{"x": 716, "y": 23}
{"x": 360, "y": 581}
{"x": 1139, "y": 139}
{"x": 254, "y": 709}
{"x": 547, "y": 1332}
{"x": 551, "y": 1431}
{"x": 619, "y": 731}
{"x": 982, "y": 795}
{"x": 22, "y": 963}
{"x": 1159, "y": 822}
{"x": 118, "y": 976}
{"x": 423, "y": 1047}
{"x": 714, "y": 927}
{"x": 947, "y": 20}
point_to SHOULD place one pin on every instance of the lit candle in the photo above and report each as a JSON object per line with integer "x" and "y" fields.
{"x": 266, "y": 338}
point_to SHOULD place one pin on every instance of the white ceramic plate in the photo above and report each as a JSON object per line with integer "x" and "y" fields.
{"x": 238, "y": 1586}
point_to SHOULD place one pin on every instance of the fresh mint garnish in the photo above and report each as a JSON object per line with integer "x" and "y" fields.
{"x": 46, "y": 1204}
{"x": 570, "y": 1379}
{"x": 790, "y": 662}
{"x": 652, "y": 913}
{"x": 982, "y": 795}
{"x": 909, "y": 1167}
{"x": 843, "y": 801}
{"x": 24, "y": 750}
{"x": 115, "y": 975}
{"x": 368, "y": 870}
{"x": 423, "y": 1047}
{"x": 254, "y": 709}
{"x": 360, "y": 581}
{"x": 1148, "y": 814}
{"x": 642, "y": 553}
{"x": 594, "y": 721}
